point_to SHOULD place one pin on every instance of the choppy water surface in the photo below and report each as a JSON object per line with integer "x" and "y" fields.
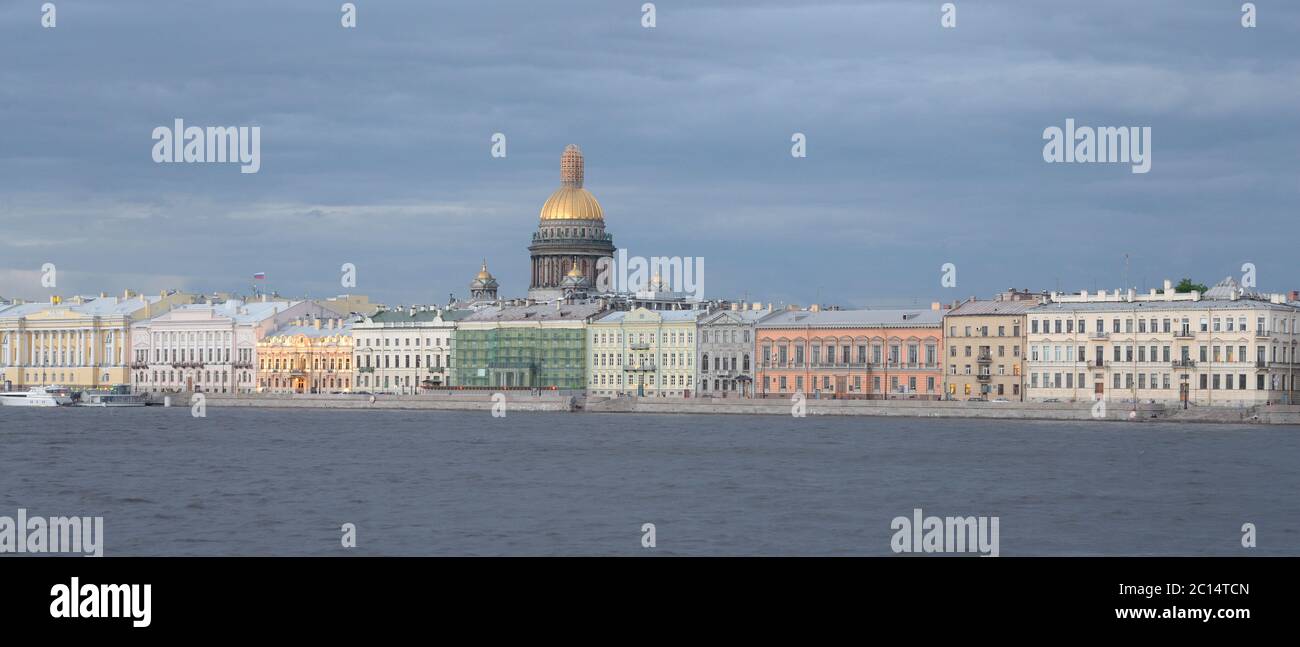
{"x": 282, "y": 482}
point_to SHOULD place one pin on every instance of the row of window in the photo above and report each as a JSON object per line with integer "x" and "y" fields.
{"x": 665, "y": 359}
{"x": 983, "y": 331}
{"x": 1157, "y": 381}
{"x": 1156, "y": 324}
{"x": 437, "y": 342}
{"x": 199, "y": 377}
{"x": 986, "y": 351}
{"x": 618, "y": 379}
{"x": 399, "y": 361}
{"x": 782, "y": 384}
{"x": 726, "y": 336}
{"x": 1157, "y": 353}
{"x": 670, "y": 337}
{"x": 845, "y": 353}
{"x": 301, "y": 364}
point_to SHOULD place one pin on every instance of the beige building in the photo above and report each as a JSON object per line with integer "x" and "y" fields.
{"x": 986, "y": 348}
{"x": 80, "y": 343}
{"x": 1227, "y": 347}
{"x": 311, "y": 355}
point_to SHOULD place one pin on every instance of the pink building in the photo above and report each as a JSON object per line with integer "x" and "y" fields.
{"x": 866, "y": 354}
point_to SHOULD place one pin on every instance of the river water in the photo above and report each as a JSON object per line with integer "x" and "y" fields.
{"x": 283, "y": 482}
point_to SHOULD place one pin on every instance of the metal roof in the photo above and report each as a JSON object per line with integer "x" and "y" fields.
{"x": 920, "y": 318}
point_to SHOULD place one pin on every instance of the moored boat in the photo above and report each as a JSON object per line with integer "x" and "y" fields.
{"x": 118, "y": 396}
{"x": 37, "y": 396}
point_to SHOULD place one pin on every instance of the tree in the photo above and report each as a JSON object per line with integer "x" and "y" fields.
{"x": 1186, "y": 285}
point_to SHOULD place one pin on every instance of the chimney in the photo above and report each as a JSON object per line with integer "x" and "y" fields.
{"x": 315, "y": 322}
{"x": 936, "y": 306}
{"x": 1169, "y": 286}
{"x": 1294, "y": 296}
{"x": 814, "y": 308}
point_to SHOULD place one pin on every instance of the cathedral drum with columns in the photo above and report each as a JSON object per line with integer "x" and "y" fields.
{"x": 571, "y": 233}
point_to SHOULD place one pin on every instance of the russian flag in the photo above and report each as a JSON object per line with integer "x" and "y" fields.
{"x": 259, "y": 276}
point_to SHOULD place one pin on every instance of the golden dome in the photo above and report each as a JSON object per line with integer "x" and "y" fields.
{"x": 575, "y": 272}
{"x": 483, "y": 274}
{"x": 572, "y": 203}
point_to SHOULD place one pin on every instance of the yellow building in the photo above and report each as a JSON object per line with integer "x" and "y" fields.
{"x": 311, "y": 355}
{"x": 986, "y": 348}
{"x": 79, "y": 343}
{"x": 643, "y": 353}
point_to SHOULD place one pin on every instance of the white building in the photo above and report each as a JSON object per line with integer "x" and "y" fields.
{"x": 726, "y": 352}
{"x": 208, "y": 347}
{"x": 405, "y": 350}
{"x": 1227, "y": 347}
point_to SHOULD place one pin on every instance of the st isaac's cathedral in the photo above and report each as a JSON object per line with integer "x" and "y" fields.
{"x": 570, "y": 236}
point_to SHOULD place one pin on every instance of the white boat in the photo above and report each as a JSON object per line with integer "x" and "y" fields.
{"x": 37, "y": 396}
{"x": 118, "y": 396}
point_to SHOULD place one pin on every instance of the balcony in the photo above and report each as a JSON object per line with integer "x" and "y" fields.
{"x": 1260, "y": 332}
{"x": 639, "y": 346}
{"x": 984, "y": 377}
{"x": 365, "y": 369}
{"x": 647, "y": 366}
{"x": 1184, "y": 333}
{"x": 1261, "y": 364}
{"x": 984, "y": 358}
{"x": 1099, "y": 335}
{"x": 1184, "y": 363}
{"x": 297, "y": 372}
{"x": 436, "y": 369}
{"x": 242, "y": 365}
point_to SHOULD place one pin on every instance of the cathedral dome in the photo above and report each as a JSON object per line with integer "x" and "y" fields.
{"x": 571, "y": 201}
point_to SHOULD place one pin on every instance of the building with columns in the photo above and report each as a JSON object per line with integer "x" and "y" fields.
{"x": 571, "y": 233}
{"x": 82, "y": 343}
{"x": 308, "y": 355}
{"x": 727, "y": 360}
{"x": 208, "y": 347}
{"x": 1227, "y": 347}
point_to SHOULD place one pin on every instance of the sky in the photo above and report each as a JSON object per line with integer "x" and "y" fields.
{"x": 924, "y": 143}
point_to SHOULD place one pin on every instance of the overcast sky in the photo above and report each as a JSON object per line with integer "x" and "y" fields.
{"x": 924, "y": 144}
